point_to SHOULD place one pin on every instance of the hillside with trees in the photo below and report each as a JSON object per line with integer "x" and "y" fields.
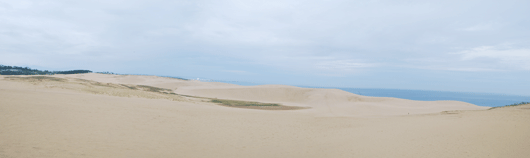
{"x": 15, "y": 70}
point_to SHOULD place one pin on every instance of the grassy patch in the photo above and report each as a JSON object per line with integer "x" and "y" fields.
{"x": 130, "y": 87}
{"x": 515, "y": 104}
{"x": 37, "y": 78}
{"x": 153, "y": 89}
{"x": 78, "y": 79}
{"x": 241, "y": 103}
{"x": 253, "y": 105}
{"x": 103, "y": 84}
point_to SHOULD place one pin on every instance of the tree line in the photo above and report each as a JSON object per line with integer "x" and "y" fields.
{"x": 15, "y": 70}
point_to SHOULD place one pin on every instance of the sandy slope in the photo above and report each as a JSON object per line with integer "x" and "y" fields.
{"x": 329, "y": 102}
{"x": 323, "y": 102}
{"x": 49, "y": 120}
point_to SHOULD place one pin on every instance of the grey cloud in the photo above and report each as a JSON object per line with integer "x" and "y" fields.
{"x": 285, "y": 34}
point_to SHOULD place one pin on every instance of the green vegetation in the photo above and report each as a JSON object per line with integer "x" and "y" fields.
{"x": 515, "y": 104}
{"x": 111, "y": 73}
{"x": 15, "y": 70}
{"x": 241, "y": 103}
{"x": 130, "y": 87}
{"x": 153, "y": 89}
{"x": 38, "y": 78}
{"x": 253, "y": 105}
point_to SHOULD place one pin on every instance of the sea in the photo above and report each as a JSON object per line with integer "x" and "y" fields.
{"x": 480, "y": 99}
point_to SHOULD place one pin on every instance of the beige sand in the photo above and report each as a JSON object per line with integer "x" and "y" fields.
{"x": 323, "y": 102}
{"x": 75, "y": 119}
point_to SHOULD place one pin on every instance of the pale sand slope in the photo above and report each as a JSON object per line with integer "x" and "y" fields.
{"x": 323, "y": 102}
{"x": 53, "y": 122}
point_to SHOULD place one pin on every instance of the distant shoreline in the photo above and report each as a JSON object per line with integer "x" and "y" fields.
{"x": 480, "y": 99}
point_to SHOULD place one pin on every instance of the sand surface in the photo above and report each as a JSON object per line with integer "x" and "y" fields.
{"x": 82, "y": 118}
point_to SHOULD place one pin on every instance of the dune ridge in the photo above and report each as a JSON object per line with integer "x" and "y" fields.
{"x": 321, "y": 102}
{"x": 94, "y": 115}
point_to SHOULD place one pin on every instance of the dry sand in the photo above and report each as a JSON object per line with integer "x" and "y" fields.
{"x": 80, "y": 118}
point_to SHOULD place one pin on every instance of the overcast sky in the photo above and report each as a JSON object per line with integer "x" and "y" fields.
{"x": 449, "y": 45}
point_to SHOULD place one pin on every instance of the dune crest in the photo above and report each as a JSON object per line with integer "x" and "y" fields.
{"x": 322, "y": 102}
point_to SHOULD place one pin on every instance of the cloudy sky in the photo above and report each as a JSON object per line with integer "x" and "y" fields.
{"x": 448, "y": 45}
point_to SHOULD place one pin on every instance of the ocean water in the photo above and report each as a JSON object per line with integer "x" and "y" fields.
{"x": 480, "y": 99}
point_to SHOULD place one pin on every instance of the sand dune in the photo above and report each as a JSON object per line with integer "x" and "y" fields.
{"x": 323, "y": 102}
{"x": 77, "y": 118}
{"x": 329, "y": 102}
